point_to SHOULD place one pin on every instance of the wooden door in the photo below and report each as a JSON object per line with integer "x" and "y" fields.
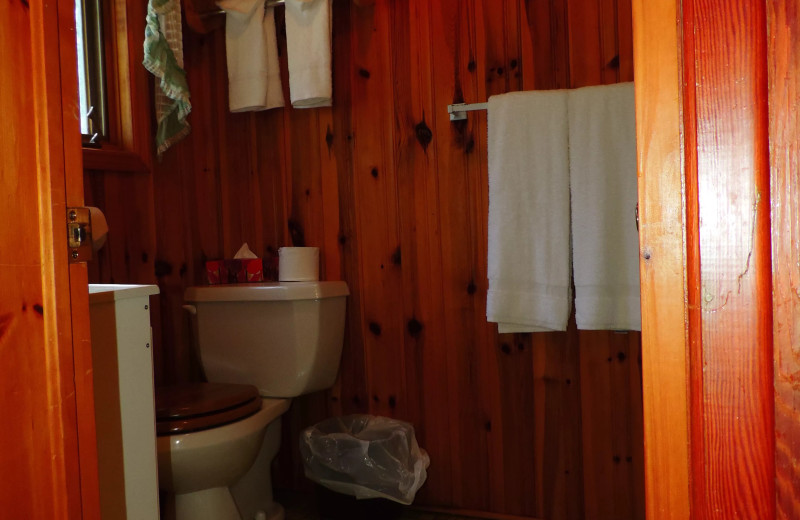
{"x": 48, "y": 462}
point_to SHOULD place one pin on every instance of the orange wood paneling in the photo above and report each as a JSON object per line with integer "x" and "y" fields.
{"x": 396, "y": 197}
{"x": 784, "y": 79}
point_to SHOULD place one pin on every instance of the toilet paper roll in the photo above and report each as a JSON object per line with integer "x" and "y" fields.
{"x": 298, "y": 264}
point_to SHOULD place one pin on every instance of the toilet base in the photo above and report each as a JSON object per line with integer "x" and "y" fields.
{"x": 253, "y": 492}
{"x": 207, "y": 504}
{"x": 212, "y": 504}
{"x": 275, "y": 513}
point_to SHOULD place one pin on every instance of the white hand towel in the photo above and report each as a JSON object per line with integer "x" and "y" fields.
{"x": 529, "y": 244}
{"x": 602, "y": 154}
{"x": 254, "y": 79}
{"x": 308, "y": 48}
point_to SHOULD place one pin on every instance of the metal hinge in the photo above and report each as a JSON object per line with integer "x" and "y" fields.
{"x": 79, "y": 234}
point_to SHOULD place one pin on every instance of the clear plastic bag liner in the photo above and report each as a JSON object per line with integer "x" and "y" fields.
{"x": 365, "y": 456}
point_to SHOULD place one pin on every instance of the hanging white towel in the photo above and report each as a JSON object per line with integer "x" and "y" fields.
{"x": 529, "y": 243}
{"x": 308, "y": 49}
{"x": 602, "y": 154}
{"x": 254, "y": 79}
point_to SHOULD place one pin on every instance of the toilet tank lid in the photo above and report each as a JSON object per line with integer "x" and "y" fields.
{"x": 267, "y": 291}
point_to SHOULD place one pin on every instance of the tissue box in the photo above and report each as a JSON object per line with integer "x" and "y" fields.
{"x": 234, "y": 271}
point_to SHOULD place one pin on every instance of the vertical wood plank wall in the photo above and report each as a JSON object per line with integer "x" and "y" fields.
{"x": 395, "y": 195}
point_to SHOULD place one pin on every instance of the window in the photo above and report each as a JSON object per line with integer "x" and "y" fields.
{"x": 113, "y": 97}
{"x": 91, "y": 71}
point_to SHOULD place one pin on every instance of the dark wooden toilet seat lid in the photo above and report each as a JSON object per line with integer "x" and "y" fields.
{"x": 199, "y": 406}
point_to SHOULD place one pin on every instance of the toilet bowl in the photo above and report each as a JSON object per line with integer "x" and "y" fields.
{"x": 208, "y": 438}
{"x": 259, "y": 344}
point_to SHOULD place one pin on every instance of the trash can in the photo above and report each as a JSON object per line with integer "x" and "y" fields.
{"x": 363, "y": 457}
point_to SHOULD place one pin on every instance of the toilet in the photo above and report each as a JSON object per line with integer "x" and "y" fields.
{"x": 259, "y": 345}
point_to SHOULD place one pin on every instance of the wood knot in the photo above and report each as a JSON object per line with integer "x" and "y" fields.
{"x": 162, "y": 268}
{"x": 364, "y": 73}
{"x": 296, "y": 232}
{"x": 424, "y": 134}
{"x": 375, "y": 328}
{"x": 469, "y": 145}
{"x": 414, "y": 327}
{"x": 397, "y": 256}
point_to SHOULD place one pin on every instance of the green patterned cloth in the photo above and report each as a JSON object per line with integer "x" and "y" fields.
{"x": 163, "y": 56}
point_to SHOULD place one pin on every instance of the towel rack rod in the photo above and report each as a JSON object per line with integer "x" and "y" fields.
{"x": 458, "y": 111}
{"x": 267, "y": 3}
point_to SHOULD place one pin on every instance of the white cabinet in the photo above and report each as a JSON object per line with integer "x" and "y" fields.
{"x": 124, "y": 403}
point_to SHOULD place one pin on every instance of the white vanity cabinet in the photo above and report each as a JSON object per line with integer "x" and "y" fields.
{"x": 124, "y": 403}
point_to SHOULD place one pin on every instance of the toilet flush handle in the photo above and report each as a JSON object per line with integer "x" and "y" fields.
{"x": 191, "y": 309}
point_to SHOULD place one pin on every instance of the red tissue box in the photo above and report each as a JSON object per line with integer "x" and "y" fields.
{"x": 234, "y": 271}
{"x": 242, "y": 271}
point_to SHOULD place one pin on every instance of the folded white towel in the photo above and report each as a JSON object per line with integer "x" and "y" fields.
{"x": 602, "y": 155}
{"x": 308, "y": 49}
{"x": 254, "y": 79}
{"x": 529, "y": 243}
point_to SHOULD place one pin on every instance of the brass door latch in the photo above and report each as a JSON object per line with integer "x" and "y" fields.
{"x": 79, "y": 234}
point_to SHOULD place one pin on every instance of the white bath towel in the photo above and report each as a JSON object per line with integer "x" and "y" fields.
{"x": 254, "y": 79}
{"x": 308, "y": 49}
{"x": 602, "y": 154}
{"x": 529, "y": 243}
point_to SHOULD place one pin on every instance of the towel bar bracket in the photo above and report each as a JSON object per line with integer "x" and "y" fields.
{"x": 458, "y": 111}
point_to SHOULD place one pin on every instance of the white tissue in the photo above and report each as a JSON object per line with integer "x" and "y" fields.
{"x": 244, "y": 252}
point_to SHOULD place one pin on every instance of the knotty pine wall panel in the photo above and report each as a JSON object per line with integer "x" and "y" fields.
{"x": 396, "y": 196}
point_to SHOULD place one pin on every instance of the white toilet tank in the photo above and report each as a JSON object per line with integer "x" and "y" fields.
{"x": 285, "y": 338}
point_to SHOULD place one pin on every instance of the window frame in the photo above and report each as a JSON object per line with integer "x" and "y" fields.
{"x": 126, "y": 145}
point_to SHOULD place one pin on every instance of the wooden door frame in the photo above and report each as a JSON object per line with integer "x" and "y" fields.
{"x": 662, "y": 223}
{"x": 704, "y": 199}
{"x": 66, "y": 286}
